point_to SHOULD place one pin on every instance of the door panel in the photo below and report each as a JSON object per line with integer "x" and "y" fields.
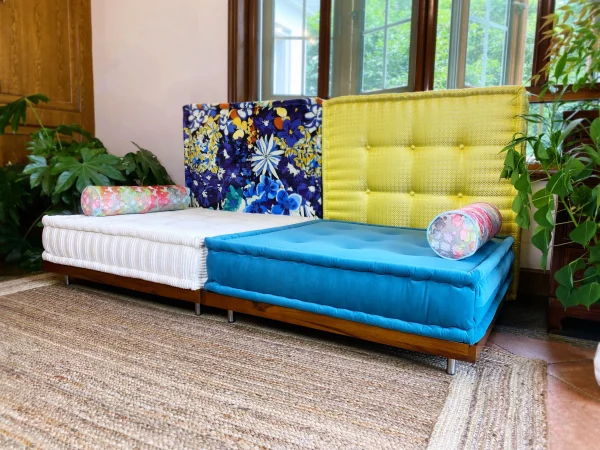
{"x": 46, "y": 47}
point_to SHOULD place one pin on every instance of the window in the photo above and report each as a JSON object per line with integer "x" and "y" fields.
{"x": 292, "y": 48}
{"x": 385, "y": 45}
{"x": 485, "y": 42}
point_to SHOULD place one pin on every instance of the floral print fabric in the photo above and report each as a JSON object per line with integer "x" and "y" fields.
{"x": 256, "y": 157}
{"x": 460, "y": 233}
{"x": 114, "y": 200}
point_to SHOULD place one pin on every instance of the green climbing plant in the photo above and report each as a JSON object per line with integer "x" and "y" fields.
{"x": 571, "y": 169}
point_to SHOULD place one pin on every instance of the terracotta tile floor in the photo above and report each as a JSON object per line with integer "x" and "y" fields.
{"x": 573, "y": 394}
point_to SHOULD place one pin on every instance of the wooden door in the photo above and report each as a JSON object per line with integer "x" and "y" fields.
{"x": 46, "y": 47}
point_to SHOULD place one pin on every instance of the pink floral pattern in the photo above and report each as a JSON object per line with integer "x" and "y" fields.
{"x": 460, "y": 233}
{"x": 114, "y": 200}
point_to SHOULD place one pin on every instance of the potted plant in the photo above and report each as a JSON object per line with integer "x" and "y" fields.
{"x": 62, "y": 162}
{"x": 570, "y": 168}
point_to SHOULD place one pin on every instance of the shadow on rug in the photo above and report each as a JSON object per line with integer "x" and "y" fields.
{"x": 85, "y": 368}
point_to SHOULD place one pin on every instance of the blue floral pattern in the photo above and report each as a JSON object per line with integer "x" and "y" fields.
{"x": 256, "y": 157}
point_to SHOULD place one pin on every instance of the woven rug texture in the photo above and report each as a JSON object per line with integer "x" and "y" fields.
{"x": 85, "y": 368}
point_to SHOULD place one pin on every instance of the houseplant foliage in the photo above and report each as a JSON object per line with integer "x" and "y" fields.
{"x": 571, "y": 169}
{"x": 62, "y": 162}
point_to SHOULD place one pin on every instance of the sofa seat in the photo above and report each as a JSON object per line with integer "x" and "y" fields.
{"x": 377, "y": 275}
{"x": 165, "y": 247}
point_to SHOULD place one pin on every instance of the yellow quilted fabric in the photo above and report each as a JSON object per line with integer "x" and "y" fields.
{"x": 401, "y": 159}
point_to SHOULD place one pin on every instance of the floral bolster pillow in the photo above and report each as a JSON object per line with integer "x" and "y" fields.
{"x": 460, "y": 233}
{"x": 114, "y": 200}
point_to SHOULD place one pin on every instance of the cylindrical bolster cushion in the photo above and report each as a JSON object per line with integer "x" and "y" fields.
{"x": 114, "y": 200}
{"x": 460, "y": 233}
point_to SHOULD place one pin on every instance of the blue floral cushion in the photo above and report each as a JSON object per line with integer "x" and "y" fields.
{"x": 256, "y": 157}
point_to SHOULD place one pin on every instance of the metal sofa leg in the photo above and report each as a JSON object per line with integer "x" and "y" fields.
{"x": 451, "y": 366}
{"x": 198, "y": 309}
{"x": 67, "y": 280}
{"x": 230, "y": 316}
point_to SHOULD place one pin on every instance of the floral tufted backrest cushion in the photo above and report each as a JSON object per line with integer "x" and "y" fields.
{"x": 256, "y": 157}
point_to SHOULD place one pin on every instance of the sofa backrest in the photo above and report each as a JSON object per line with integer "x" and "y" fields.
{"x": 401, "y": 159}
{"x": 257, "y": 157}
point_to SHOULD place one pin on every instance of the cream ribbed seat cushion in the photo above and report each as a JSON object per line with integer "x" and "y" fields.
{"x": 166, "y": 247}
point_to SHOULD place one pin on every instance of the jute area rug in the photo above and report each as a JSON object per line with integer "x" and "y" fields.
{"x": 85, "y": 368}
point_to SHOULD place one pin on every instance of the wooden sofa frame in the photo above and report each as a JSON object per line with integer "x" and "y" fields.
{"x": 424, "y": 344}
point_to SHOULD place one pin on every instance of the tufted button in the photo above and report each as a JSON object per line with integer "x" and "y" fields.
{"x": 461, "y": 146}
{"x": 412, "y": 193}
{"x": 368, "y": 191}
{"x": 368, "y": 147}
{"x": 460, "y": 195}
{"x": 412, "y": 147}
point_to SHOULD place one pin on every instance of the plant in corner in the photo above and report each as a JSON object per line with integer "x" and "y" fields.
{"x": 62, "y": 162}
{"x": 571, "y": 168}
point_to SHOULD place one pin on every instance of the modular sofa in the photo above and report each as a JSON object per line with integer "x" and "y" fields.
{"x": 390, "y": 164}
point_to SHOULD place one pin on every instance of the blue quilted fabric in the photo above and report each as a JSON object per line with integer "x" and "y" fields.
{"x": 256, "y": 157}
{"x": 383, "y": 276}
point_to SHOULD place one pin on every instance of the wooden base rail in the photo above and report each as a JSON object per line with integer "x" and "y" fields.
{"x": 423, "y": 344}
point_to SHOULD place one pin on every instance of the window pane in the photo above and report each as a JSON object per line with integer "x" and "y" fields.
{"x": 475, "y": 51}
{"x": 287, "y": 67}
{"x": 312, "y": 67}
{"x": 399, "y": 10}
{"x": 290, "y": 48}
{"x": 288, "y": 17}
{"x": 398, "y": 56}
{"x": 372, "y": 79}
{"x": 490, "y": 44}
{"x": 374, "y": 14}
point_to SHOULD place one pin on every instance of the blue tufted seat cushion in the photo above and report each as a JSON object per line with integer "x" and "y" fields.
{"x": 383, "y": 276}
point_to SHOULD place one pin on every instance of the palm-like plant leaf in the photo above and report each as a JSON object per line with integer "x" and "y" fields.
{"x": 146, "y": 167}
{"x": 96, "y": 167}
{"x": 13, "y": 114}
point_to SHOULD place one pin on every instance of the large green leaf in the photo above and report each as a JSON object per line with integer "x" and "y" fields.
{"x": 542, "y": 198}
{"x": 95, "y": 167}
{"x": 559, "y": 184}
{"x": 543, "y": 217}
{"x": 13, "y": 114}
{"x": 541, "y": 240}
{"x": 564, "y": 276}
{"x": 40, "y": 174}
{"x": 522, "y": 219}
{"x": 148, "y": 169}
{"x": 584, "y": 232}
{"x": 595, "y": 130}
{"x": 523, "y": 184}
{"x": 586, "y": 295}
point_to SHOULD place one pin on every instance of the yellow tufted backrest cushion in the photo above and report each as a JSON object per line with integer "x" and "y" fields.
{"x": 401, "y": 159}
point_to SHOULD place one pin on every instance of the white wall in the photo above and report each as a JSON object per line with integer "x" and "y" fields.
{"x": 151, "y": 58}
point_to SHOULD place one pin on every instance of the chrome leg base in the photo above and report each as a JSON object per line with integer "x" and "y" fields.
{"x": 230, "y": 316}
{"x": 198, "y": 309}
{"x": 451, "y": 366}
{"x": 67, "y": 280}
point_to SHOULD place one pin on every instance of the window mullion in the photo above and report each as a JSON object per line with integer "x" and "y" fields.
{"x": 385, "y": 43}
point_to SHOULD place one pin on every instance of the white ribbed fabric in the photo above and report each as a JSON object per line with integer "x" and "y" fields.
{"x": 165, "y": 247}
